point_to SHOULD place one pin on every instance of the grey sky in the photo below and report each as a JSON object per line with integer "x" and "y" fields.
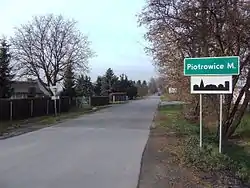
{"x": 111, "y": 26}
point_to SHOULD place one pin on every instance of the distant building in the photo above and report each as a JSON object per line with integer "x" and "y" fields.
{"x": 118, "y": 96}
{"x": 172, "y": 90}
{"x": 30, "y": 88}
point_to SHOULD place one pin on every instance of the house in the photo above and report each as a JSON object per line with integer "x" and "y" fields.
{"x": 118, "y": 96}
{"x": 29, "y": 88}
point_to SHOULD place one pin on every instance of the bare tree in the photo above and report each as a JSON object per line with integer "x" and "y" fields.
{"x": 45, "y": 46}
{"x": 196, "y": 28}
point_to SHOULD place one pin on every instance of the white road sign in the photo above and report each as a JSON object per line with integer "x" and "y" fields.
{"x": 55, "y": 97}
{"x": 54, "y": 90}
{"x": 211, "y": 84}
{"x": 172, "y": 90}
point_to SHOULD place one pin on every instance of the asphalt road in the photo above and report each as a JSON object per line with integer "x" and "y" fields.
{"x": 100, "y": 150}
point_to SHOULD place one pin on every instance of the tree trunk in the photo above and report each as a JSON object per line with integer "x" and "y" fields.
{"x": 239, "y": 115}
{"x": 231, "y": 114}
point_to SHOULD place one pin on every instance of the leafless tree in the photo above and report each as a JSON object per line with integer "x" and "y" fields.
{"x": 198, "y": 28}
{"x": 44, "y": 47}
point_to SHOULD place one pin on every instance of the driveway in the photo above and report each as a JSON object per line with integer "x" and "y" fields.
{"x": 99, "y": 150}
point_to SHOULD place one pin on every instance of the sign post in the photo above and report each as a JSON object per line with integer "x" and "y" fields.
{"x": 220, "y": 141}
{"x": 200, "y": 120}
{"x": 212, "y": 75}
{"x": 54, "y": 97}
{"x": 55, "y": 107}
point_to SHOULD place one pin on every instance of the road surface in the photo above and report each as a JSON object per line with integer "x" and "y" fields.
{"x": 100, "y": 150}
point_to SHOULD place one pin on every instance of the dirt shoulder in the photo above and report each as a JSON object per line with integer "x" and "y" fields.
{"x": 172, "y": 160}
{"x": 160, "y": 165}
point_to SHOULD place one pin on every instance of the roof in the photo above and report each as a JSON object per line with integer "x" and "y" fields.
{"x": 23, "y": 86}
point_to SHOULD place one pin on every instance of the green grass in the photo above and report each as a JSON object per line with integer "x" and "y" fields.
{"x": 164, "y": 97}
{"x": 73, "y": 113}
{"x": 48, "y": 120}
{"x": 244, "y": 128}
{"x": 175, "y": 121}
{"x": 235, "y": 157}
{"x": 119, "y": 102}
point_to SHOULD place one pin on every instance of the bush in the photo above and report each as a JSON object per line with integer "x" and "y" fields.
{"x": 208, "y": 159}
{"x": 205, "y": 159}
{"x": 233, "y": 162}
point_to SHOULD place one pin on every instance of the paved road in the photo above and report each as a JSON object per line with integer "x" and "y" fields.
{"x": 100, "y": 150}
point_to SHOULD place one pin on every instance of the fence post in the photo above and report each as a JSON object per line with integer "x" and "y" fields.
{"x": 90, "y": 101}
{"x": 31, "y": 107}
{"x": 47, "y": 107}
{"x": 55, "y": 107}
{"x": 69, "y": 104}
{"x": 11, "y": 110}
{"x": 77, "y": 102}
{"x": 59, "y": 105}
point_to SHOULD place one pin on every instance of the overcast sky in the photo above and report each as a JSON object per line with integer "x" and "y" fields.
{"x": 111, "y": 26}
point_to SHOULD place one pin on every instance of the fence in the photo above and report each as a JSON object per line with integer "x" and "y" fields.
{"x": 99, "y": 100}
{"x": 18, "y": 109}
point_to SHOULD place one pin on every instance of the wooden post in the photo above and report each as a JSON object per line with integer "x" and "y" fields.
{"x": 90, "y": 101}
{"x": 47, "y": 107}
{"x": 59, "y": 105}
{"x": 11, "y": 110}
{"x": 31, "y": 107}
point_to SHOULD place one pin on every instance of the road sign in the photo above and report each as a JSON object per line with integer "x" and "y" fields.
{"x": 55, "y": 97}
{"x": 53, "y": 89}
{"x": 172, "y": 90}
{"x": 211, "y": 84}
{"x": 226, "y": 65}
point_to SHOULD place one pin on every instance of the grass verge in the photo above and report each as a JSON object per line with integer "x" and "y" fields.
{"x": 45, "y": 121}
{"x": 164, "y": 97}
{"x": 234, "y": 162}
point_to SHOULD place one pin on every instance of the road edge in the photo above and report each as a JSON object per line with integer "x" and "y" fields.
{"x": 141, "y": 162}
{"x": 143, "y": 153}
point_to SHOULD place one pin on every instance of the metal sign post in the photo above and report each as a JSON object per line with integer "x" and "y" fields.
{"x": 200, "y": 120}
{"x": 54, "y": 97}
{"x": 220, "y": 139}
{"x": 212, "y": 75}
{"x": 55, "y": 107}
